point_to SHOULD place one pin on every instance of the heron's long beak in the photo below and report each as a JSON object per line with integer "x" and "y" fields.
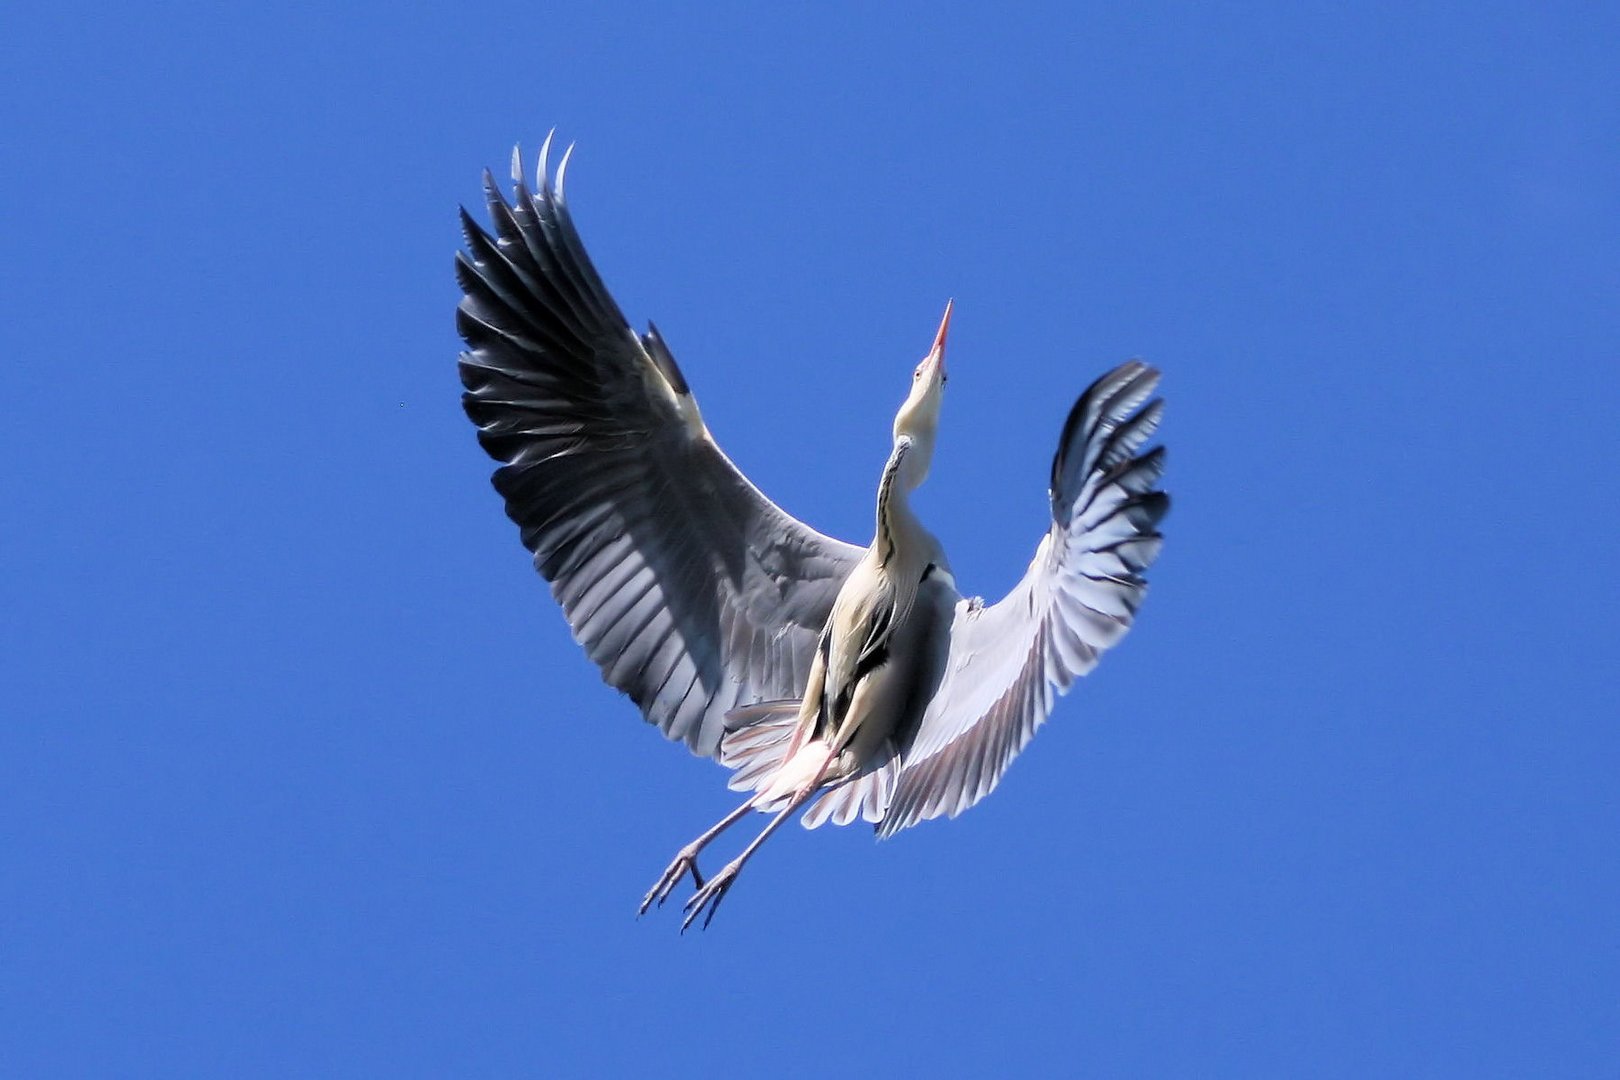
{"x": 936, "y": 355}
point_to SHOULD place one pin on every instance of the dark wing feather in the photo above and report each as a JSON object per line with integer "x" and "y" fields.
{"x": 689, "y": 588}
{"x": 1009, "y": 662}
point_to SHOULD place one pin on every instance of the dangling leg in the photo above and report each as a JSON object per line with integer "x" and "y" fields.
{"x": 834, "y": 762}
{"x": 711, "y": 893}
{"x": 714, "y": 890}
{"x": 686, "y": 859}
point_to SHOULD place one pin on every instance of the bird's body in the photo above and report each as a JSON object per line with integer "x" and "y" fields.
{"x": 876, "y": 664}
{"x": 858, "y": 681}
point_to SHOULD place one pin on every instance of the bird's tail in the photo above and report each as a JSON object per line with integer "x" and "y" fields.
{"x": 757, "y": 745}
{"x": 757, "y": 741}
{"x": 867, "y": 794}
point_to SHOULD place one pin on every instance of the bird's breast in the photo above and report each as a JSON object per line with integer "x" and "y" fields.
{"x": 889, "y": 696}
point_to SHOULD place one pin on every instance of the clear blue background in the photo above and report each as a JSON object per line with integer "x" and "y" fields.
{"x": 301, "y": 774}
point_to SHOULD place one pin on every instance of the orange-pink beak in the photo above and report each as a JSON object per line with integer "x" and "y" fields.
{"x": 936, "y": 355}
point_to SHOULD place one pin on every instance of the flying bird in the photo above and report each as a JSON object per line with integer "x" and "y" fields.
{"x": 855, "y": 681}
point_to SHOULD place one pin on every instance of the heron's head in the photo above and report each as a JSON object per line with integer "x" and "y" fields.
{"x": 919, "y": 415}
{"x": 918, "y": 418}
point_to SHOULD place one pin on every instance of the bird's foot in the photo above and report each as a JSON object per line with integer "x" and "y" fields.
{"x": 685, "y": 863}
{"x": 709, "y": 896}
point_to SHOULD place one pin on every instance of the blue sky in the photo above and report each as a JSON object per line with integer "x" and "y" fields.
{"x": 301, "y": 774}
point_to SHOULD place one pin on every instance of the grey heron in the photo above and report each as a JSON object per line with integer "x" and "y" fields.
{"x": 853, "y": 680}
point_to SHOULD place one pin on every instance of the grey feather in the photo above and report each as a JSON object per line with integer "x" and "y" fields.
{"x": 689, "y": 588}
{"x": 1008, "y": 662}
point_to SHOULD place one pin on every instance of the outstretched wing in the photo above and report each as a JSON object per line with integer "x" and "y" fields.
{"x": 691, "y": 590}
{"x": 1008, "y": 662}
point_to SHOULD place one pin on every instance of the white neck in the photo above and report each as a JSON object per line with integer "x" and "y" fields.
{"x": 899, "y": 533}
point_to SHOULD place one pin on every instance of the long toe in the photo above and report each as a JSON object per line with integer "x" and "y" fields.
{"x": 706, "y": 901}
{"x": 685, "y": 863}
{"x": 694, "y": 908}
{"x": 658, "y": 892}
{"x": 647, "y": 901}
